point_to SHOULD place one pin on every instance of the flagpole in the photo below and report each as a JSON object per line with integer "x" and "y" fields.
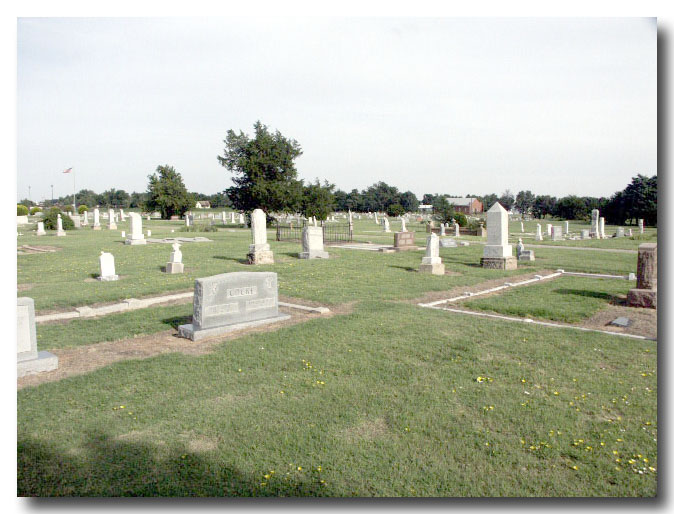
{"x": 74, "y": 201}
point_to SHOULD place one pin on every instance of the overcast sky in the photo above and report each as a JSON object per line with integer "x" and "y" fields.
{"x": 458, "y": 106}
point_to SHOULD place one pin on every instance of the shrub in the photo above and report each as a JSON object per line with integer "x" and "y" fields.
{"x": 199, "y": 228}
{"x": 82, "y": 208}
{"x": 395, "y": 209}
{"x": 21, "y": 210}
{"x": 50, "y": 220}
{"x": 461, "y": 219}
{"x": 35, "y": 210}
{"x": 68, "y": 208}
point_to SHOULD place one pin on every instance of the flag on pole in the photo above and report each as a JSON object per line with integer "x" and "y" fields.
{"x": 68, "y": 170}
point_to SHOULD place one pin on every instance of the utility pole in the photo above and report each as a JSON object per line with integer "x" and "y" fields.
{"x": 52, "y": 195}
{"x": 29, "y": 198}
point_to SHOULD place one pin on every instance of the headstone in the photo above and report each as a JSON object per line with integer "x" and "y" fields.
{"x": 40, "y": 229}
{"x": 641, "y": 226}
{"x": 403, "y": 241}
{"x": 111, "y": 220}
{"x": 224, "y": 218}
{"x": 259, "y": 252}
{"x": 22, "y": 220}
{"x": 59, "y": 227}
{"x": 646, "y": 292}
{"x": 28, "y": 359}
{"x": 107, "y": 261}
{"x": 403, "y": 228}
{"x": 137, "y": 237}
{"x": 85, "y": 222}
{"x": 149, "y": 233}
{"x": 557, "y": 233}
{"x": 97, "y": 220}
{"x": 242, "y": 220}
{"x": 122, "y": 216}
{"x": 594, "y": 224}
{"x": 585, "y": 233}
{"x": 524, "y": 255}
{"x": 457, "y": 230}
{"x": 175, "y": 264}
{"x": 521, "y": 226}
{"x": 602, "y": 235}
{"x": 629, "y": 232}
{"x": 387, "y": 227}
{"x": 188, "y": 220}
{"x": 620, "y": 232}
{"x": 76, "y": 220}
{"x": 312, "y": 243}
{"x": 431, "y": 262}
{"x": 539, "y": 235}
{"x": 123, "y": 233}
{"x": 621, "y": 322}
{"x": 548, "y": 229}
{"x": 442, "y": 230}
{"x": 498, "y": 254}
{"x": 375, "y": 219}
{"x": 447, "y": 242}
{"x": 232, "y": 301}
{"x": 566, "y": 228}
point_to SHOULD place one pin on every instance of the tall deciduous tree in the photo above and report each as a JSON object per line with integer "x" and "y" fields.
{"x": 318, "y": 200}
{"x": 167, "y": 193}
{"x": 264, "y": 170}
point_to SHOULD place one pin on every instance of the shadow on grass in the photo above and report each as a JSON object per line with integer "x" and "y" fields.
{"x": 126, "y": 466}
{"x": 233, "y": 259}
{"x": 406, "y": 268}
{"x": 175, "y": 321}
{"x": 611, "y": 298}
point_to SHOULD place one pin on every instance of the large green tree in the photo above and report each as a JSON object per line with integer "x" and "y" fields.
{"x": 264, "y": 170}
{"x": 318, "y": 200}
{"x": 167, "y": 193}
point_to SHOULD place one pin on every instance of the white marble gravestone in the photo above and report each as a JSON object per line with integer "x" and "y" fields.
{"x": 566, "y": 228}
{"x": 85, "y": 222}
{"x": 442, "y": 230}
{"x": 232, "y": 301}
{"x": 312, "y": 244}
{"x": 539, "y": 235}
{"x": 242, "y": 220}
{"x": 59, "y": 227}
{"x": 111, "y": 220}
{"x": 97, "y": 220}
{"x": 175, "y": 264}
{"x": 28, "y": 359}
{"x": 403, "y": 228}
{"x": 522, "y": 254}
{"x": 521, "y": 226}
{"x": 498, "y": 254}
{"x": 375, "y": 219}
{"x": 602, "y": 234}
{"x": 107, "y": 261}
{"x": 387, "y": 227}
{"x": 136, "y": 237}
{"x": 585, "y": 233}
{"x": 548, "y": 229}
{"x": 641, "y": 226}
{"x": 40, "y": 229}
{"x": 457, "y": 230}
{"x": 557, "y": 233}
{"x": 431, "y": 262}
{"x": 620, "y": 232}
{"x": 259, "y": 252}
{"x": 594, "y": 224}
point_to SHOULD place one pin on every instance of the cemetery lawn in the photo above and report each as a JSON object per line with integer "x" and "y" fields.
{"x": 567, "y": 298}
{"x": 390, "y": 400}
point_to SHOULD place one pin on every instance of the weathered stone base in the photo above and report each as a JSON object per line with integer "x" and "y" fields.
{"x": 645, "y": 298}
{"x": 188, "y": 332}
{"x": 435, "y": 269}
{"x": 405, "y": 248}
{"x": 135, "y": 242}
{"x": 45, "y": 361}
{"x": 264, "y": 257}
{"x": 40, "y": 233}
{"x": 61, "y": 233}
{"x": 112, "y": 226}
{"x": 314, "y": 255}
{"x": 96, "y": 227}
{"x": 506, "y": 263}
{"x": 109, "y": 278}
{"x": 175, "y": 267}
{"x": 527, "y": 255}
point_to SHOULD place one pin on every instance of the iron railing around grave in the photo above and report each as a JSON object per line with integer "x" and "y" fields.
{"x": 332, "y": 232}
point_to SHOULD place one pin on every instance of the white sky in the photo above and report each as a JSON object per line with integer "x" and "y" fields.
{"x": 432, "y": 105}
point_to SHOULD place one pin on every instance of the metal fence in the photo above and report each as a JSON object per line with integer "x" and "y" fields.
{"x": 332, "y": 232}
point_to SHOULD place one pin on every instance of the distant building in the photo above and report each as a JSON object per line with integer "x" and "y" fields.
{"x": 203, "y": 204}
{"x": 425, "y": 208}
{"x": 466, "y": 205}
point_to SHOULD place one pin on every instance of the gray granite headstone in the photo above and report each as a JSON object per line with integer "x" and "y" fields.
{"x": 231, "y": 301}
{"x": 621, "y": 322}
{"x": 28, "y": 359}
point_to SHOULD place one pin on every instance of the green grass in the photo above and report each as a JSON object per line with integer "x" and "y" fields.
{"x": 66, "y": 278}
{"x": 78, "y": 332}
{"x": 567, "y": 298}
{"x": 405, "y": 414}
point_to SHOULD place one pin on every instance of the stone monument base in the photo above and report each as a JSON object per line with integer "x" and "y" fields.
{"x": 109, "y": 278}
{"x": 263, "y": 257}
{"x": 644, "y": 298}
{"x": 188, "y": 331}
{"x": 135, "y": 241}
{"x": 435, "y": 269}
{"x": 45, "y": 361}
{"x": 112, "y": 226}
{"x": 506, "y": 263}
{"x": 96, "y": 227}
{"x": 527, "y": 255}
{"x": 314, "y": 255}
{"x": 175, "y": 267}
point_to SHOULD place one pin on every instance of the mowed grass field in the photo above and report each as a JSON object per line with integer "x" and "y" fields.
{"x": 389, "y": 400}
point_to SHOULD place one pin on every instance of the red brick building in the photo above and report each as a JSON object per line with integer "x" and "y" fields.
{"x": 466, "y": 205}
